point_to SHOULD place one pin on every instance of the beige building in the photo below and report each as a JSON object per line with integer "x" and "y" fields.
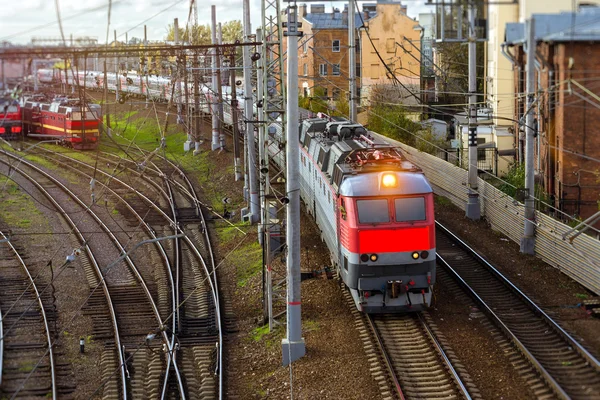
{"x": 390, "y": 38}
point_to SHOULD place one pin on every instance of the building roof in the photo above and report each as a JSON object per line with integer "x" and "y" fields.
{"x": 333, "y": 20}
{"x": 562, "y": 27}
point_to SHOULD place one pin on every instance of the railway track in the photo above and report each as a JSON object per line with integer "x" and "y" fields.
{"x": 197, "y": 312}
{"x": 107, "y": 317}
{"x": 565, "y": 367}
{"x": 25, "y": 333}
{"x": 134, "y": 307}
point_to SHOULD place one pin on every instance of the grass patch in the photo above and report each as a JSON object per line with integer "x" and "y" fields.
{"x": 17, "y": 208}
{"x": 310, "y": 326}
{"x": 41, "y": 161}
{"x": 262, "y": 334}
{"x": 581, "y": 296}
{"x": 442, "y": 201}
{"x": 248, "y": 262}
{"x": 26, "y": 366}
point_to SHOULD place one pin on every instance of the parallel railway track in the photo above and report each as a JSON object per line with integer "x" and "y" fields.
{"x": 568, "y": 370}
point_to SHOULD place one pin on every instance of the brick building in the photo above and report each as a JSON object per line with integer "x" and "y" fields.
{"x": 567, "y": 111}
{"x": 323, "y": 50}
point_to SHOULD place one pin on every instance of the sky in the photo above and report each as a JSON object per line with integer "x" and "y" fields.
{"x": 22, "y": 19}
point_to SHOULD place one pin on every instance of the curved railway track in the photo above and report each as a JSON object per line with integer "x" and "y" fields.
{"x": 567, "y": 368}
{"x": 197, "y": 311}
{"x": 20, "y": 332}
{"x": 131, "y": 306}
{"x": 95, "y": 279}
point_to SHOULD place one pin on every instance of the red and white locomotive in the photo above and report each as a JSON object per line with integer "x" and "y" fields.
{"x": 375, "y": 211}
{"x": 69, "y": 121}
{"x": 10, "y": 118}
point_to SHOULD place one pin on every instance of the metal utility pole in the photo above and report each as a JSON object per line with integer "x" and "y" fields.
{"x": 178, "y": 73}
{"x": 527, "y": 244}
{"x": 234, "y": 121}
{"x": 186, "y": 97}
{"x": 105, "y": 102}
{"x": 248, "y": 119}
{"x": 215, "y": 83}
{"x": 220, "y": 91}
{"x": 473, "y": 210}
{"x": 293, "y": 346}
{"x": 352, "y": 59}
{"x": 117, "y": 78}
{"x": 146, "y": 69}
{"x": 196, "y": 117}
{"x": 3, "y": 76}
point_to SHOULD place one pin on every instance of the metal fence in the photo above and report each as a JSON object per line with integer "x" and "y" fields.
{"x": 579, "y": 259}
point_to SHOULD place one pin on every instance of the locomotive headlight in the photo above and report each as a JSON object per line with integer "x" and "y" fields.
{"x": 374, "y": 257}
{"x": 415, "y": 255}
{"x": 389, "y": 180}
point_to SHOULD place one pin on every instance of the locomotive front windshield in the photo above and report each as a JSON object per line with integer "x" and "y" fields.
{"x": 410, "y": 209}
{"x": 378, "y": 211}
{"x": 373, "y": 211}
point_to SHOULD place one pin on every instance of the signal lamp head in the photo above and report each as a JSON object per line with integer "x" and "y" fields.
{"x": 364, "y": 257}
{"x": 374, "y": 257}
{"x": 415, "y": 255}
{"x": 424, "y": 254}
{"x": 389, "y": 180}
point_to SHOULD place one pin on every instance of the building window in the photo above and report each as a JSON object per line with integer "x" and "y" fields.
{"x": 336, "y": 94}
{"x": 357, "y": 45}
{"x": 305, "y": 91}
{"x": 335, "y": 46}
{"x": 358, "y": 70}
{"x": 375, "y": 45}
{"x": 305, "y": 69}
{"x": 336, "y": 70}
{"x": 374, "y": 71}
{"x": 305, "y": 46}
{"x": 323, "y": 69}
{"x": 325, "y": 93}
{"x": 390, "y": 45}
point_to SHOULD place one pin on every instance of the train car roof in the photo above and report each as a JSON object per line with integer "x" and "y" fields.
{"x": 369, "y": 184}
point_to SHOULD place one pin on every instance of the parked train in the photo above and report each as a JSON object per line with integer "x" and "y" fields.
{"x": 69, "y": 121}
{"x": 375, "y": 212}
{"x": 10, "y": 118}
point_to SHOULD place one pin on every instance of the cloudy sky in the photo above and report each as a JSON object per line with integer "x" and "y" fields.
{"x": 22, "y": 19}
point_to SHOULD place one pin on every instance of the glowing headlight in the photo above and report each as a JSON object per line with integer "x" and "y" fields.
{"x": 374, "y": 257}
{"x": 389, "y": 180}
{"x": 415, "y": 255}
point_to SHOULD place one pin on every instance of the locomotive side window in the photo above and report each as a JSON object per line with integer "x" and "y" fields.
{"x": 373, "y": 211}
{"x": 410, "y": 209}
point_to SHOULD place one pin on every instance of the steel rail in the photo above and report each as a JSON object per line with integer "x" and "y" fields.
{"x": 42, "y": 310}
{"x": 170, "y": 343}
{"x": 386, "y": 357}
{"x": 507, "y": 331}
{"x": 572, "y": 342}
{"x": 442, "y": 353}
{"x": 96, "y": 269}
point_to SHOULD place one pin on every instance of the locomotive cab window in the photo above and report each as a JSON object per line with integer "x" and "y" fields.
{"x": 373, "y": 211}
{"x": 410, "y": 209}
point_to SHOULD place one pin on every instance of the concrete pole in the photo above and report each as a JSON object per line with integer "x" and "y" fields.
{"x": 352, "y": 59}
{"x": 106, "y": 111}
{"x": 197, "y": 118}
{"x": 527, "y": 244}
{"x": 178, "y": 79}
{"x": 117, "y": 78}
{"x": 293, "y": 346}
{"x": 35, "y": 78}
{"x": 234, "y": 122}
{"x": 220, "y": 91}
{"x": 254, "y": 214}
{"x": 127, "y": 56}
{"x": 473, "y": 210}
{"x": 214, "y": 107}
{"x": 3, "y": 76}
{"x": 146, "y": 67}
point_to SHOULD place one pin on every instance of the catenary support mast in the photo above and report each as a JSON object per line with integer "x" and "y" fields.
{"x": 293, "y": 345}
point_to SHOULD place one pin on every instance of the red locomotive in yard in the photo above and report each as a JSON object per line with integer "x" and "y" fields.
{"x": 72, "y": 122}
{"x": 10, "y": 119}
